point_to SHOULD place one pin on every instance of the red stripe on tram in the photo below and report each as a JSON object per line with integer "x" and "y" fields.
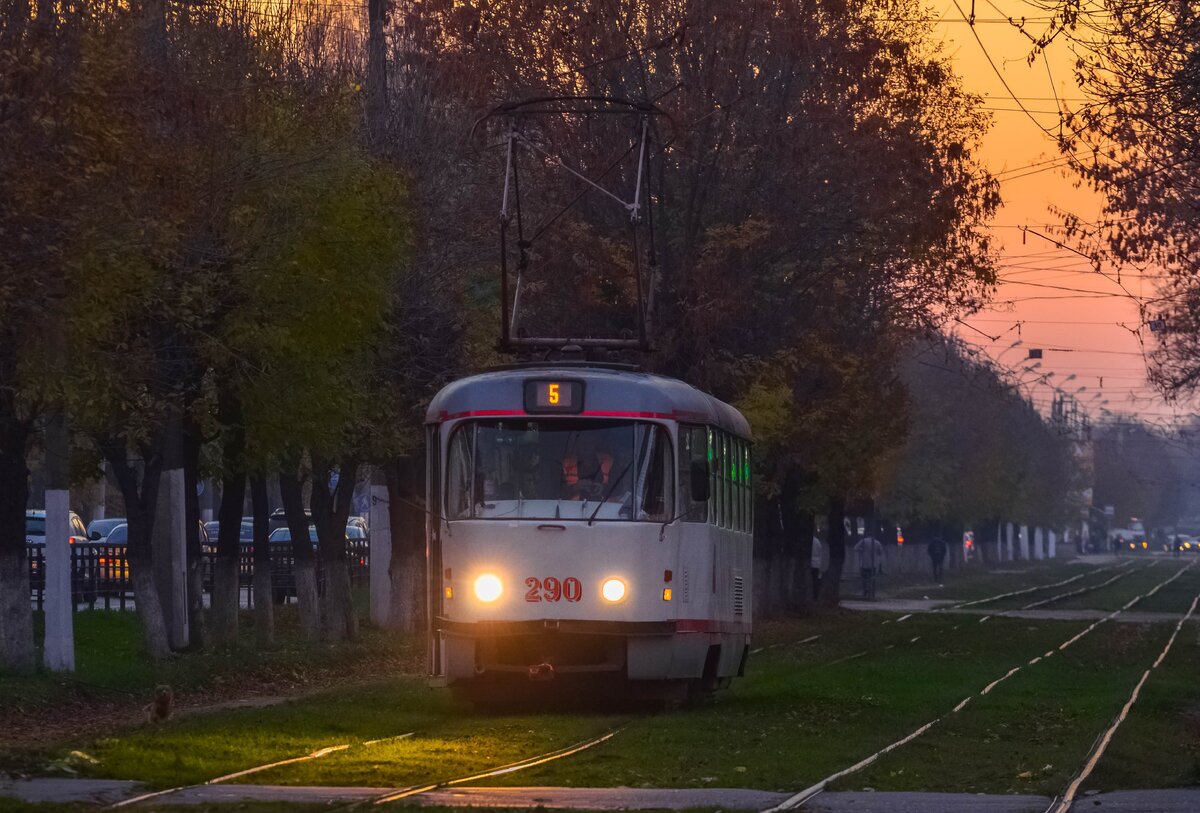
{"x": 594, "y": 413}
{"x": 481, "y": 413}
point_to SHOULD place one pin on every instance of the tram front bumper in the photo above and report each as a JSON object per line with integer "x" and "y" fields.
{"x": 541, "y": 650}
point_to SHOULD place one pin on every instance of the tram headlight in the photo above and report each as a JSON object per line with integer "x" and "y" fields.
{"x": 488, "y": 587}
{"x": 613, "y": 590}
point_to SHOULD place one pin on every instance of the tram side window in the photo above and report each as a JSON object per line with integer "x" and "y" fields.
{"x": 726, "y": 475}
{"x": 735, "y": 474}
{"x": 693, "y": 452}
{"x": 748, "y": 489}
{"x": 433, "y": 470}
{"x": 747, "y": 493}
{"x": 656, "y": 474}
{"x": 714, "y": 456}
{"x": 461, "y": 467}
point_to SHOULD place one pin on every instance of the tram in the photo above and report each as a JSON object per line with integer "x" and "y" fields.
{"x": 587, "y": 523}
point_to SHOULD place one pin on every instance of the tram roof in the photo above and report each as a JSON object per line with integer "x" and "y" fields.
{"x": 609, "y": 393}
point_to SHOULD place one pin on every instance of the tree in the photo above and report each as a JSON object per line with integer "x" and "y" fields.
{"x": 782, "y": 267}
{"x": 1134, "y": 141}
{"x": 976, "y": 452}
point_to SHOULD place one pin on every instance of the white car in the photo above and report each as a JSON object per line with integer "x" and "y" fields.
{"x": 35, "y": 528}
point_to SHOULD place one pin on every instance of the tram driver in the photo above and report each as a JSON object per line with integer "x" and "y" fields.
{"x": 588, "y": 470}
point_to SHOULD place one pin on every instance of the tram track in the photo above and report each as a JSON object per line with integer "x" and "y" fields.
{"x": 973, "y": 603}
{"x": 1028, "y": 590}
{"x": 1125, "y": 571}
{"x": 1064, "y": 803}
{"x": 798, "y": 799}
{"x": 1125, "y": 568}
{"x": 317, "y": 754}
{"x": 396, "y": 794}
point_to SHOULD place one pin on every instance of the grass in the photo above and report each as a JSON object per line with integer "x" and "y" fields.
{"x": 110, "y": 660}
{"x": 798, "y": 718}
{"x": 1032, "y": 734}
{"x": 448, "y": 740}
{"x": 803, "y": 712}
{"x": 104, "y": 698}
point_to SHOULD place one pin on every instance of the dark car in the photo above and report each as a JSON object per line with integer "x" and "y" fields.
{"x": 99, "y": 529}
{"x": 245, "y": 530}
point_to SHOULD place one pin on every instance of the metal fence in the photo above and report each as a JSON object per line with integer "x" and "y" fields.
{"x": 100, "y": 573}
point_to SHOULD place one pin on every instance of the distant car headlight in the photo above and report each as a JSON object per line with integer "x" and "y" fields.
{"x": 488, "y": 587}
{"x": 613, "y": 590}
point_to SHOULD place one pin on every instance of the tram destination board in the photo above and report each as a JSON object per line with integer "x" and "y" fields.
{"x": 546, "y": 395}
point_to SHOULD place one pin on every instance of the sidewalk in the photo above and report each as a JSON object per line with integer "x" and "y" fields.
{"x": 106, "y": 792}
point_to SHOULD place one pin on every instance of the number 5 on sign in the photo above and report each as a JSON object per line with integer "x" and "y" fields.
{"x": 552, "y": 394}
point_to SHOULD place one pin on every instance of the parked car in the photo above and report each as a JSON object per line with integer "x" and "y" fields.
{"x": 113, "y": 564}
{"x": 245, "y": 530}
{"x": 35, "y": 537}
{"x": 99, "y": 529}
{"x": 278, "y": 518}
{"x": 284, "y": 535}
{"x": 35, "y": 528}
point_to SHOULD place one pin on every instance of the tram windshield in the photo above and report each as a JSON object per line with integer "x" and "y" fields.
{"x": 560, "y": 469}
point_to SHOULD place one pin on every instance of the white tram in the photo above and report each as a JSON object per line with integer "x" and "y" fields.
{"x": 587, "y": 522}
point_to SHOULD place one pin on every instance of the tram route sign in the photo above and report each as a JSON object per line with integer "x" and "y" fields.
{"x": 554, "y": 396}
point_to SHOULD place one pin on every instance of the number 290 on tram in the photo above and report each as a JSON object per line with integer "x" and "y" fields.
{"x": 587, "y": 524}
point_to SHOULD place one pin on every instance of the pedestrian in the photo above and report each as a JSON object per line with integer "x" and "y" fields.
{"x": 815, "y": 564}
{"x": 937, "y": 555}
{"x": 1176, "y": 545}
{"x": 870, "y": 561}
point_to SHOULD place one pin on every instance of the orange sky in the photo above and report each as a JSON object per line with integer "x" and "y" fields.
{"x": 1095, "y": 333}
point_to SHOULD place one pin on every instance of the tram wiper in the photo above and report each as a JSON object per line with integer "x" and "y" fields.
{"x": 608, "y": 493}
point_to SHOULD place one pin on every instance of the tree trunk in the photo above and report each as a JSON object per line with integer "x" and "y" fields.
{"x": 16, "y": 616}
{"x": 168, "y": 529}
{"x": 192, "y": 441}
{"x": 225, "y": 566}
{"x": 330, "y": 511}
{"x": 225, "y": 593}
{"x": 831, "y": 584}
{"x": 264, "y": 604}
{"x": 953, "y": 534}
{"x": 140, "y": 506}
{"x": 304, "y": 571}
{"x": 797, "y": 530}
{"x": 766, "y": 533}
{"x": 800, "y": 527}
{"x": 407, "y": 571}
